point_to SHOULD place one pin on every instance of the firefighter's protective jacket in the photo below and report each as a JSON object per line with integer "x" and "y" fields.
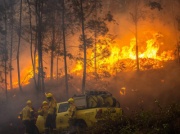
{"x": 72, "y": 111}
{"x": 43, "y": 111}
{"x": 27, "y": 113}
{"x": 52, "y": 107}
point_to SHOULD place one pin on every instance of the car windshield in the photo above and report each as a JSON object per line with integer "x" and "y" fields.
{"x": 63, "y": 107}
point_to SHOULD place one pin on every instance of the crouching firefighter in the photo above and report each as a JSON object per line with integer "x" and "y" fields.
{"x": 43, "y": 111}
{"x": 50, "y": 124}
{"x": 27, "y": 117}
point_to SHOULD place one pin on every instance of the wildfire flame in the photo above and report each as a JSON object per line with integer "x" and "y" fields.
{"x": 122, "y": 91}
{"x": 112, "y": 58}
{"x": 27, "y": 74}
{"x": 125, "y": 57}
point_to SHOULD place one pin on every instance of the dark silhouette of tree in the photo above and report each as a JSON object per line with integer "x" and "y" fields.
{"x": 11, "y": 27}
{"x": 99, "y": 28}
{"x": 91, "y": 27}
{"x": 39, "y": 8}
{"x": 136, "y": 15}
{"x": 3, "y": 47}
{"x": 19, "y": 44}
{"x": 6, "y": 34}
{"x": 64, "y": 46}
{"x": 33, "y": 54}
{"x": 176, "y": 21}
{"x": 84, "y": 46}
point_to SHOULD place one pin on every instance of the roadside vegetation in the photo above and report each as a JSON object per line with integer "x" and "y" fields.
{"x": 163, "y": 120}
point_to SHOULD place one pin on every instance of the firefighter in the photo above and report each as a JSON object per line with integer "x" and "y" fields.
{"x": 72, "y": 116}
{"x": 27, "y": 117}
{"x": 43, "y": 111}
{"x": 50, "y": 123}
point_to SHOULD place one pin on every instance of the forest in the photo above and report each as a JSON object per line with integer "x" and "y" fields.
{"x": 130, "y": 48}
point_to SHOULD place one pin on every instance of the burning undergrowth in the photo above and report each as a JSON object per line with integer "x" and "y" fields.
{"x": 112, "y": 56}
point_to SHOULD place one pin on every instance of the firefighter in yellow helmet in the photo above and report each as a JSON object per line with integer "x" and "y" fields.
{"x": 27, "y": 117}
{"x": 43, "y": 111}
{"x": 50, "y": 123}
{"x": 72, "y": 108}
{"x": 72, "y": 116}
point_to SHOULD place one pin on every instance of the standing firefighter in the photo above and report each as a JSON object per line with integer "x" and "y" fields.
{"x": 27, "y": 117}
{"x": 72, "y": 116}
{"x": 50, "y": 124}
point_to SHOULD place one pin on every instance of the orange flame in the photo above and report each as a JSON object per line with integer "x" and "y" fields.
{"x": 122, "y": 91}
{"x": 112, "y": 58}
{"x": 125, "y": 57}
{"x": 27, "y": 74}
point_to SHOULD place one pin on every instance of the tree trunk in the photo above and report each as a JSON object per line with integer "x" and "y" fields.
{"x": 57, "y": 68}
{"x": 11, "y": 47}
{"x": 64, "y": 45}
{"x": 84, "y": 43}
{"x": 5, "y": 52}
{"x": 137, "y": 55}
{"x": 178, "y": 51}
{"x": 52, "y": 46}
{"x": 95, "y": 38}
{"x": 39, "y": 9}
{"x": 176, "y": 22}
{"x": 31, "y": 47}
{"x": 95, "y": 46}
{"x": 36, "y": 63}
{"x": 136, "y": 34}
{"x": 18, "y": 49}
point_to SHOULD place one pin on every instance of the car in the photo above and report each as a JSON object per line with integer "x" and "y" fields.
{"x": 92, "y": 107}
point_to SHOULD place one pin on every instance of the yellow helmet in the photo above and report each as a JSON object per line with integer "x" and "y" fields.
{"x": 44, "y": 102}
{"x": 29, "y": 102}
{"x": 48, "y": 95}
{"x": 71, "y": 100}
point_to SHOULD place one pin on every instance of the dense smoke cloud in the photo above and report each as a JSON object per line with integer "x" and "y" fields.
{"x": 154, "y": 20}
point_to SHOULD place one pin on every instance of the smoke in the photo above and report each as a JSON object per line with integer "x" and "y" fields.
{"x": 163, "y": 21}
{"x": 143, "y": 88}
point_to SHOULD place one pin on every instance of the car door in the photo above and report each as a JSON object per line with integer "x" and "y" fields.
{"x": 62, "y": 116}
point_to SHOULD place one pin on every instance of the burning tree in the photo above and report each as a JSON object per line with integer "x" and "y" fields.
{"x": 136, "y": 16}
{"x": 19, "y": 44}
{"x": 93, "y": 26}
